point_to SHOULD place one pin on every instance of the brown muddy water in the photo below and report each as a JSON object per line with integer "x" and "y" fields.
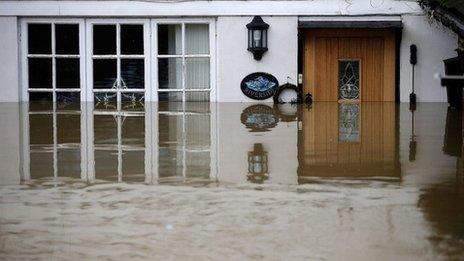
{"x": 231, "y": 181}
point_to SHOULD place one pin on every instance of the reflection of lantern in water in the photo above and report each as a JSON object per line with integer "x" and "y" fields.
{"x": 257, "y": 164}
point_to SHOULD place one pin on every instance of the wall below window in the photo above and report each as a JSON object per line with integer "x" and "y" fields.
{"x": 234, "y": 61}
{"x": 9, "y": 87}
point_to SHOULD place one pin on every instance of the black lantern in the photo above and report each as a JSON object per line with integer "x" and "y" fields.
{"x": 257, "y": 37}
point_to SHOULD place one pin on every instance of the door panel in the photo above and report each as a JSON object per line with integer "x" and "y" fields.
{"x": 374, "y": 49}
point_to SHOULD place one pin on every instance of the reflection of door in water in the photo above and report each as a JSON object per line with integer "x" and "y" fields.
{"x": 350, "y": 64}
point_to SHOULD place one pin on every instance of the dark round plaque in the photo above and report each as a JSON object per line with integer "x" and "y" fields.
{"x": 259, "y": 86}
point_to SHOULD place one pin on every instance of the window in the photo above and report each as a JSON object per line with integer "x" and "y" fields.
{"x": 183, "y": 62}
{"x": 53, "y": 61}
{"x": 348, "y": 79}
{"x": 112, "y": 61}
{"x": 119, "y": 61}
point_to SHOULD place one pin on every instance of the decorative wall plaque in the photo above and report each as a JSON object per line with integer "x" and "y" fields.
{"x": 259, "y": 86}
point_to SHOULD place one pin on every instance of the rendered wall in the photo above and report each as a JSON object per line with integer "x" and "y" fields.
{"x": 234, "y": 62}
{"x": 280, "y": 143}
{"x": 10, "y": 149}
{"x": 434, "y": 44}
{"x": 9, "y": 59}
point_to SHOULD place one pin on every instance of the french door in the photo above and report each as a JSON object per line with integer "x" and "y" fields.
{"x": 118, "y": 64}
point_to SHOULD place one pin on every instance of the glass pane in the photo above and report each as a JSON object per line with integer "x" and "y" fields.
{"x": 196, "y": 96}
{"x": 348, "y": 125}
{"x": 41, "y": 129}
{"x": 133, "y": 131}
{"x": 67, "y": 38}
{"x": 68, "y": 129}
{"x": 197, "y": 39}
{"x": 104, "y": 73}
{"x": 68, "y": 100}
{"x": 132, "y": 74}
{"x": 197, "y": 73}
{"x": 105, "y": 100}
{"x": 170, "y": 141}
{"x": 39, "y": 38}
{"x": 197, "y": 132}
{"x": 169, "y": 39}
{"x": 104, "y": 39}
{"x": 40, "y": 73}
{"x": 348, "y": 80}
{"x": 105, "y": 130}
{"x": 106, "y": 165}
{"x": 41, "y": 165}
{"x": 46, "y": 97}
{"x": 170, "y": 73}
{"x": 170, "y": 96}
{"x": 132, "y": 39}
{"x": 198, "y": 164}
{"x": 133, "y": 166}
{"x": 67, "y": 73}
{"x": 132, "y": 97}
{"x": 69, "y": 163}
{"x": 200, "y": 107}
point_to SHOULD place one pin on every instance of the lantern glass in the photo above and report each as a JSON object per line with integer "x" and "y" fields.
{"x": 264, "y": 41}
{"x": 257, "y": 38}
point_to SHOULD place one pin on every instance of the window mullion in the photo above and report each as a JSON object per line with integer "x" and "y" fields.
{"x": 183, "y": 61}
{"x": 53, "y": 62}
{"x": 118, "y": 63}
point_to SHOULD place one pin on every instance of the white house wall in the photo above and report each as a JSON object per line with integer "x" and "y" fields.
{"x": 235, "y": 62}
{"x": 434, "y": 44}
{"x": 9, "y": 67}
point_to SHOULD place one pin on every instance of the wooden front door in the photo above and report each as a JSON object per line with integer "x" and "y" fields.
{"x": 349, "y": 64}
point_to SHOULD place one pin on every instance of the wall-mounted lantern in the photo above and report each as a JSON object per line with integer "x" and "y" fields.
{"x": 257, "y": 37}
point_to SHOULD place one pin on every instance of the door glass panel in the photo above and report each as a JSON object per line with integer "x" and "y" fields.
{"x": 104, "y": 39}
{"x": 104, "y": 73}
{"x": 40, "y": 38}
{"x": 170, "y": 96}
{"x": 40, "y": 73}
{"x": 197, "y": 39}
{"x": 132, "y": 73}
{"x": 348, "y": 80}
{"x": 169, "y": 39}
{"x": 170, "y": 73}
{"x": 40, "y": 97}
{"x": 67, "y": 73}
{"x": 197, "y": 73}
{"x": 131, "y": 39}
{"x": 67, "y": 38}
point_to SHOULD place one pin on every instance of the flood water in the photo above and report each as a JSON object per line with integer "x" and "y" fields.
{"x": 231, "y": 181}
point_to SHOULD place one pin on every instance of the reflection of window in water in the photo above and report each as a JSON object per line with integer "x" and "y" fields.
{"x": 348, "y": 122}
{"x": 184, "y": 140}
{"x": 119, "y": 145}
{"x": 54, "y": 141}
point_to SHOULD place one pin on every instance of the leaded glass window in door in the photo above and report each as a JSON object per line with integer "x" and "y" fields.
{"x": 348, "y": 79}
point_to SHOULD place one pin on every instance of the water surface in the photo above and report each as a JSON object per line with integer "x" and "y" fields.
{"x": 231, "y": 181}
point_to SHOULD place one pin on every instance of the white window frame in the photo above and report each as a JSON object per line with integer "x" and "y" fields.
{"x": 118, "y": 56}
{"x": 212, "y": 56}
{"x": 25, "y": 56}
{"x": 86, "y": 50}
